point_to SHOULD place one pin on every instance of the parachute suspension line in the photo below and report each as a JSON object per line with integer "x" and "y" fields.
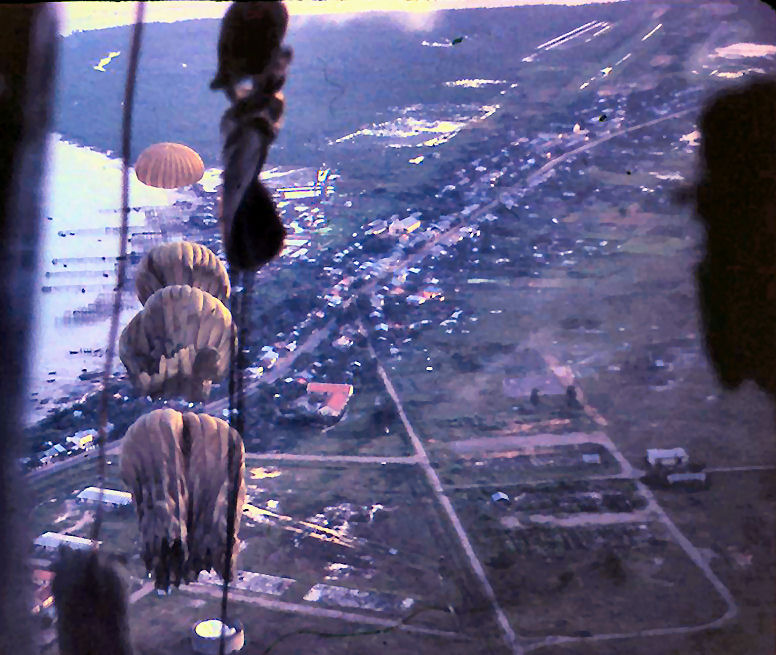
{"x": 126, "y": 140}
{"x": 242, "y": 288}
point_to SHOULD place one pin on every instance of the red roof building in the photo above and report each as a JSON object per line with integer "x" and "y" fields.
{"x": 338, "y": 396}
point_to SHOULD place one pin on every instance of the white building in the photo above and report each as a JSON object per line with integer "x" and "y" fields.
{"x": 690, "y": 479}
{"x": 53, "y": 540}
{"x": 667, "y": 457}
{"x": 109, "y": 497}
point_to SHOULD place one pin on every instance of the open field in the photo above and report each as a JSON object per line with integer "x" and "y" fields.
{"x": 167, "y": 623}
{"x": 732, "y": 523}
{"x": 367, "y": 527}
{"x": 505, "y": 467}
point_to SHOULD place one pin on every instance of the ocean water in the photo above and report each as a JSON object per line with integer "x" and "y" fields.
{"x": 77, "y": 269}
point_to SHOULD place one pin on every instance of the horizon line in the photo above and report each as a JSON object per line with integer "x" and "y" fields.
{"x": 80, "y": 16}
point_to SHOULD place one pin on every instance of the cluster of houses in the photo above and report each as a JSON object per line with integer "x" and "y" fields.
{"x": 80, "y": 442}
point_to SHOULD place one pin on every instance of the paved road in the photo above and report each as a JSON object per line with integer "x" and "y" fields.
{"x": 588, "y": 518}
{"x": 653, "y": 632}
{"x": 739, "y": 469}
{"x": 479, "y": 571}
{"x": 335, "y": 459}
{"x": 536, "y": 481}
{"x": 112, "y": 448}
{"x": 146, "y": 589}
{"x": 533, "y": 177}
{"x": 321, "y": 612}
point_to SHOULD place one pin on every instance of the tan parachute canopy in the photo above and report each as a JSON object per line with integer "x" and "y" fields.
{"x": 182, "y": 262}
{"x": 180, "y": 468}
{"x": 178, "y": 344}
{"x": 169, "y": 166}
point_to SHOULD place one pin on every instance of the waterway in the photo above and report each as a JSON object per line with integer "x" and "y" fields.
{"x": 77, "y": 268}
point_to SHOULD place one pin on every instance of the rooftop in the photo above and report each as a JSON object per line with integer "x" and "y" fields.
{"x": 111, "y": 496}
{"x": 339, "y": 394}
{"x": 55, "y": 539}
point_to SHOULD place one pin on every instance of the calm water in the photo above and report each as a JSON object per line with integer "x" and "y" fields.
{"x": 77, "y": 267}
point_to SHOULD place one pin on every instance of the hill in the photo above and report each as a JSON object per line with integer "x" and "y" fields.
{"x": 345, "y": 75}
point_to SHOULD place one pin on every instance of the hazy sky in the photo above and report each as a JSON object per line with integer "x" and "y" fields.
{"x": 76, "y": 16}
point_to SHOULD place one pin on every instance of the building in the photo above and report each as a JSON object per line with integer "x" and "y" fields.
{"x": 268, "y": 359}
{"x": 376, "y": 227}
{"x": 321, "y": 187}
{"x": 431, "y": 291}
{"x": 404, "y": 226}
{"x": 399, "y": 278}
{"x": 110, "y": 497}
{"x": 343, "y": 342}
{"x": 82, "y": 439}
{"x": 689, "y": 480}
{"x": 337, "y": 399}
{"x": 297, "y": 193}
{"x": 55, "y": 451}
{"x": 297, "y": 242}
{"x": 51, "y": 541}
{"x": 295, "y": 247}
{"x": 670, "y": 457}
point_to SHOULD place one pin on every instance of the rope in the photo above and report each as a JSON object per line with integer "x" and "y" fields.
{"x": 248, "y": 128}
{"x": 126, "y": 141}
{"x": 242, "y": 285}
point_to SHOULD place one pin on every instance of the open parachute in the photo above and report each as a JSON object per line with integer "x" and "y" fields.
{"x": 169, "y": 166}
{"x": 178, "y": 344}
{"x": 183, "y": 471}
{"x": 182, "y": 262}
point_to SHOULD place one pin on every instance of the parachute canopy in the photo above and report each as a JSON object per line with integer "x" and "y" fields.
{"x": 169, "y": 166}
{"x": 178, "y": 344}
{"x": 183, "y": 469}
{"x": 182, "y": 262}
